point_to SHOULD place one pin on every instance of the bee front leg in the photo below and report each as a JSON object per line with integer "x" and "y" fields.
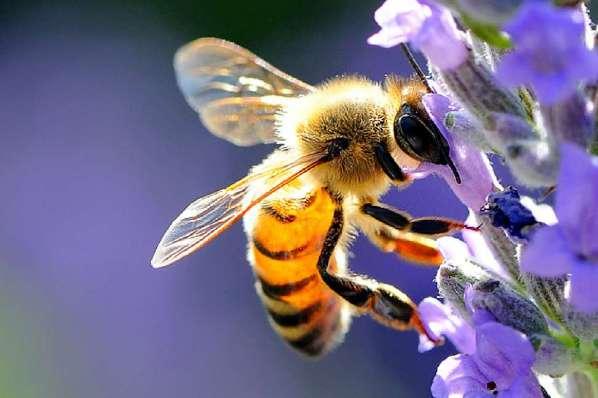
{"x": 430, "y": 226}
{"x": 385, "y": 303}
{"x": 409, "y": 237}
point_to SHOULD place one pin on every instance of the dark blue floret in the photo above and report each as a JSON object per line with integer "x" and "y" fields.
{"x": 505, "y": 211}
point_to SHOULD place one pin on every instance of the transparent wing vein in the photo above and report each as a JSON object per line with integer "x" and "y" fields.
{"x": 208, "y": 216}
{"x": 237, "y": 94}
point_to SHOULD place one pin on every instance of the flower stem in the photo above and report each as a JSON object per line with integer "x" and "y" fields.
{"x": 592, "y": 375}
{"x": 588, "y": 351}
{"x": 566, "y": 338}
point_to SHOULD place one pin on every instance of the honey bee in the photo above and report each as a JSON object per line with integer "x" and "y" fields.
{"x": 342, "y": 144}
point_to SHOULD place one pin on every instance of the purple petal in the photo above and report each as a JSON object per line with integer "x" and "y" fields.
{"x": 548, "y": 254}
{"x": 421, "y": 22}
{"x": 439, "y": 321}
{"x": 503, "y": 354}
{"x": 583, "y": 293}
{"x": 452, "y": 248}
{"x": 525, "y": 386}
{"x": 479, "y": 247}
{"x": 400, "y": 21}
{"x": 510, "y": 71}
{"x": 576, "y": 199}
{"x": 587, "y": 67}
{"x": 567, "y": 22}
{"x": 550, "y": 54}
{"x": 449, "y": 51}
{"x": 477, "y": 177}
{"x": 552, "y": 88}
{"x": 458, "y": 376}
{"x": 518, "y": 68}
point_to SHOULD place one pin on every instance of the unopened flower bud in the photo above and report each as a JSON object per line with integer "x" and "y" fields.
{"x": 453, "y": 278}
{"x": 507, "y": 307}
{"x": 552, "y": 357}
{"x": 584, "y": 325}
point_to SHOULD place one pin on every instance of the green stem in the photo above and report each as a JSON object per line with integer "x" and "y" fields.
{"x": 593, "y": 375}
{"x": 565, "y": 338}
{"x": 588, "y": 351}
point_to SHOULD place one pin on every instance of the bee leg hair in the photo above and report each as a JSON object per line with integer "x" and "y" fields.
{"x": 385, "y": 303}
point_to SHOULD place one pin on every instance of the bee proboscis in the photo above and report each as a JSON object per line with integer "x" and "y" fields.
{"x": 342, "y": 145}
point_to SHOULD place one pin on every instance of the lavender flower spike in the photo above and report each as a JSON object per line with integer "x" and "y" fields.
{"x": 550, "y": 54}
{"x": 421, "y": 22}
{"x": 571, "y": 245}
{"x": 501, "y": 365}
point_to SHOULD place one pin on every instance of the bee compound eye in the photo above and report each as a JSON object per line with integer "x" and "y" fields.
{"x": 418, "y": 140}
{"x": 414, "y": 138}
{"x": 421, "y": 139}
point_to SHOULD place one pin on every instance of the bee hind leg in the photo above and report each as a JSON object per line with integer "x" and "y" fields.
{"x": 384, "y": 303}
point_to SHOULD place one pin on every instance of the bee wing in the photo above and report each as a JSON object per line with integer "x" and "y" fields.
{"x": 210, "y": 215}
{"x": 236, "y": 94}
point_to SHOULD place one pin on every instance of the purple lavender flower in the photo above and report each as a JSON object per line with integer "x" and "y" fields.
{"x": 477, "y": 177}
{"x": 428, "y": 26}
{"x": 473, "y": 246}
{"x": 550, "y": 53}
{"x": 571, "y": 246}
{"x": 439, "y": 321}
{"x": 453, "y": 248}
{"x": 500, "y": 366}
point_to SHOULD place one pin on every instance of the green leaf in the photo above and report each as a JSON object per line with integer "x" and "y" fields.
{"x": 491, "y": 34}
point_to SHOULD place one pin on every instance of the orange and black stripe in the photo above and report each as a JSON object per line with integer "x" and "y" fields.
{"x": 285, "y": 241}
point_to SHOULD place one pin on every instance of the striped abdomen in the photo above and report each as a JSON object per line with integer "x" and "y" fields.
{"x": 285, "y": 239}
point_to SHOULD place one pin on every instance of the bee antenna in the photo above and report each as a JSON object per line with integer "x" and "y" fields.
{"x": 416, "y": 67}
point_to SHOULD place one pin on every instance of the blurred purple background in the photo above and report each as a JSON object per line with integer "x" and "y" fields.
{"x": 99, "y": 152}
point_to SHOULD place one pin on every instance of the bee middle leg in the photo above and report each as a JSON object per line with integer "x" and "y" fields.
{"x": 384, "y": 303}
